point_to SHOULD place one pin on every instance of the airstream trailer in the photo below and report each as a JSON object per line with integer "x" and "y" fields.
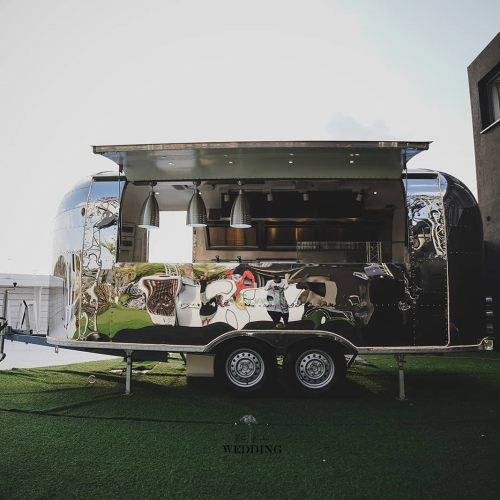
{"x": 313, "y": 251}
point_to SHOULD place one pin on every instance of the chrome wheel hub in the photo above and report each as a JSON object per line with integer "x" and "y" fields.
{"x": 245, "y": 368}
{"x": 315, "y": 369}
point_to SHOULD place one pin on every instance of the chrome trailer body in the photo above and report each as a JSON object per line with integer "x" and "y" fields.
{"x": 419, "y": 290}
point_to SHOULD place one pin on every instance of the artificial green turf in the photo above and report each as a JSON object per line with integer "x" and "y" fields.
{"x": 67, "y": 438}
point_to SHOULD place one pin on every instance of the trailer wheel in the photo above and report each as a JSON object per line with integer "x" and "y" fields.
{"x": 244, "y": 367}
{"x": 315, "y": 368}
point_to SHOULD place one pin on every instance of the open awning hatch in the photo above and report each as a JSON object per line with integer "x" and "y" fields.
{"x": 262, "y": 160}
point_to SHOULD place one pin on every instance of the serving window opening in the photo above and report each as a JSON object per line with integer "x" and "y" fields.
{"x": 323, "y": 221}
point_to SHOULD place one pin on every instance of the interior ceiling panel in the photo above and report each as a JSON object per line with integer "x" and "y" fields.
{"x": 262, "y": 160}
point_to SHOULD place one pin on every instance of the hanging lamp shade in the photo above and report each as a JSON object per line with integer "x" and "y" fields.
{"x": 150, "y": 213}
{"x": 196, "y": 212}
{"x": 240, "y": 211}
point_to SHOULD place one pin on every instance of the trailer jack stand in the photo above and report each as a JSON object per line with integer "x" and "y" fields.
{"x": 2, "y": 340}
{"x": 3, "y": 325}
{"x": 128, "y": 373}
{"x": 401, "y": 369}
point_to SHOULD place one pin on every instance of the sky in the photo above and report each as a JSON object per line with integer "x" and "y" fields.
{"x": 80, "y": 73}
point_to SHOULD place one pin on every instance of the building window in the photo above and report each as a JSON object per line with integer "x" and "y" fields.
{"x": 489, "y": 97}
{"x": 493, "y": 89}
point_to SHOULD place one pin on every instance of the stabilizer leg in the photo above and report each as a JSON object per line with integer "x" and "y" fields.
{"x": 3, "y": 325}
{"x": 401, "y": 369}
{"x": 128, "y": 379}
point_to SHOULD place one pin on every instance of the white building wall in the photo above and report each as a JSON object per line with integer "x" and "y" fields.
{"x": 34, "y": 290}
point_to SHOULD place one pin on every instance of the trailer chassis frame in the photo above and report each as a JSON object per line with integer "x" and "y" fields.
{"x": 6, "y": 333}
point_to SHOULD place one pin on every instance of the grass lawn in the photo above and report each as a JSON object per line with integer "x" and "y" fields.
{"x": 62, "y": 437}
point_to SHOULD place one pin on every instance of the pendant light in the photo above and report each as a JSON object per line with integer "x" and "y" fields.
{"x": 150, "y": 212}
{"x": 196, "y": 212}
{"x": 240, "y": 211}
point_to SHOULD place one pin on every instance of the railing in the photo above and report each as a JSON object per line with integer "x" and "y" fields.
{"x": 350, "y": 251}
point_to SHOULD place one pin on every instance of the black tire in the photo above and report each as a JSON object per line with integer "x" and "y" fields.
{"x": 244, "y": 367}
{"x": 315, "y": 368}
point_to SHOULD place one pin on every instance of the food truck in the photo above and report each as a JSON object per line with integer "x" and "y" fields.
{"x": 309, "y": 252}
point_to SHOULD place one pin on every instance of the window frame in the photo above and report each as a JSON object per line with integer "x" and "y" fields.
{"x": 489, "y": 98}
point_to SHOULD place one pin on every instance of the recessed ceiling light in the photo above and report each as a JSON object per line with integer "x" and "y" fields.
{"x": 291, "y": 154}
{"x": 170, "y": 162}
{"x": 374, "y": 192}
{"x": 351, "y": 161}
{"x": 230, "y": 162}
{"x": 290, "y": 161}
